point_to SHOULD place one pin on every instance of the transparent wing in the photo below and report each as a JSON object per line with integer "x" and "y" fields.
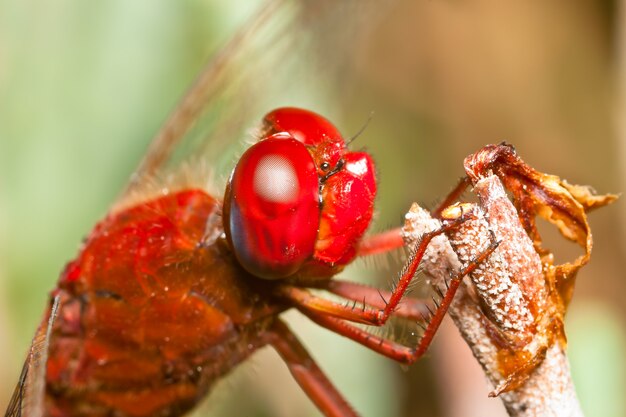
{"x": 27, "y": 398}
{"x": 289, "y": 53}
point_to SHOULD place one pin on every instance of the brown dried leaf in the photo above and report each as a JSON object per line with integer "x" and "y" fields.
{"x": 535, "y": 193}
{"x": 585, "y": 196}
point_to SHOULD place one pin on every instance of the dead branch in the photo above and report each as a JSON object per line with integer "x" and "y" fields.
{"x": 549, "y": 390}
{"x": 511, "y": 309}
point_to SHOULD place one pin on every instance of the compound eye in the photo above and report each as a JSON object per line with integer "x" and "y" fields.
{"x": 348, "y": 205}
{"x": 304, "y": 125}
{"x": 271, "y": 207}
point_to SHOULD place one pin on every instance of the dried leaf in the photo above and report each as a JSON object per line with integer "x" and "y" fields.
{"x": 538, "y": 194}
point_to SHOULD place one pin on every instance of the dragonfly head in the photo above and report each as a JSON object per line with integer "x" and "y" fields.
{"x": 298, "y": 201}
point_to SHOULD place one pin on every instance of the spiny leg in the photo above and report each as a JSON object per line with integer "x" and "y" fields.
{"x": 413, "y": 264}
{"x": 385, "y": 347}
{"x": 307, "y": 374}
{"x": 358, "y": 293}
{"x": 331, "y": 315}
{"x": 363, "y": 303}
{"x": 304, "y": 300}
{"x": 394, "y": 350}
{"x": 389, "y": 240}
{"x": 392, "y": 239}
{"x": 410, "y": 308}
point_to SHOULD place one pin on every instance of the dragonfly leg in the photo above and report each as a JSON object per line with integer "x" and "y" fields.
{"x": 410, "y": 308}
{"x": 306, "y": 372}
{"x": 381, "y": 242}
{"x": 361, "y": 311}
{"x": 452, "y": 197}
{"x": 414, "y": 261}
{"x": 392, "y": 239}
{"x": 386, "y": 347}
{"x": 363, "y": 305}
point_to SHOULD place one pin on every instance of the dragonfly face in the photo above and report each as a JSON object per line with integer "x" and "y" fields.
{"x": 298, "y": 202}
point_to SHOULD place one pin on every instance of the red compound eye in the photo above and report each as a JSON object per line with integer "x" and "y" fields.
{"x": 271, "y": 207}
{"x": 348, "y": 198}
{"x": 306, "y": 126}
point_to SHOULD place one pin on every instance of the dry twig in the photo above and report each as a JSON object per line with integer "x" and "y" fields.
{"x": 510, "y": 311}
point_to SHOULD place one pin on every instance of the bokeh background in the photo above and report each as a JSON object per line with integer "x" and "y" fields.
{"x": 84, "y": 86}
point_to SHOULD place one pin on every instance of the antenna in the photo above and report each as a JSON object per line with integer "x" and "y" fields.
{"x": 362, "y": 129}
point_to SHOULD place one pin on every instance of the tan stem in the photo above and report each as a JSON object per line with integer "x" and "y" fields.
{"x": 549, "y": 390}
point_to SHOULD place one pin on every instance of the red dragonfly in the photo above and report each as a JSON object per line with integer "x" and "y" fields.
{"x": 175, "y": 288}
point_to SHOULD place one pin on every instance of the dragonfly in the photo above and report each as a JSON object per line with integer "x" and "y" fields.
{"x": 177, "y": 285}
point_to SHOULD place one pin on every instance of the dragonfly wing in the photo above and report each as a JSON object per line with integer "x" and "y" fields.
{"x": 28, "y": 396}
{"x": 290, "y": 52}
{"x": 207, "y": 84}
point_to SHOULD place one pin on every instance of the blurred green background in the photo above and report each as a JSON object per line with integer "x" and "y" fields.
{"x": 84, "y": 86}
